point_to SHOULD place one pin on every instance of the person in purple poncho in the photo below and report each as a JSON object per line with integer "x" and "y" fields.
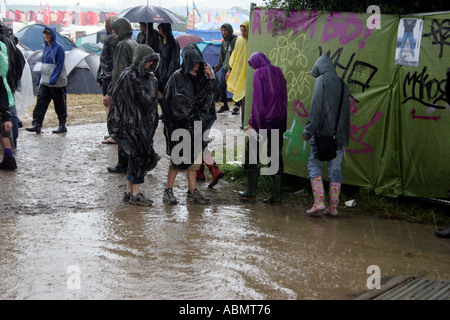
{"x": 269, "y": 112}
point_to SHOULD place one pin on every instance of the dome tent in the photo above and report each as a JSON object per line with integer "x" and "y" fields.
{"x": 31, "y": 37}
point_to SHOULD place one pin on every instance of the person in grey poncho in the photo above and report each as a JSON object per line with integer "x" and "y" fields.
{"x": 133, "y": 119}
{"x": 321, "y": 122}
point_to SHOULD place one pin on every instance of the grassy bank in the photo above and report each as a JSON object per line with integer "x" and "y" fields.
{"x": 297, "y": 191}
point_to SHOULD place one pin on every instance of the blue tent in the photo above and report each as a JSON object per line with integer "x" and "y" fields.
{"x": 32, "y": 38}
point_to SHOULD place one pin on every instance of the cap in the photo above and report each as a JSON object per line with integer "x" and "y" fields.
{"x": 47, "y": 30}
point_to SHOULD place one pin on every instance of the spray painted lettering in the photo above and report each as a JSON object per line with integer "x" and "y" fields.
{"x": 440, "y": 32}
{"x": 361, "y": 73}
{"x": 423, "y": 89}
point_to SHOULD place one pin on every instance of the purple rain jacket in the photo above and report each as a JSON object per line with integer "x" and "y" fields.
{"x": 269, "y": 109}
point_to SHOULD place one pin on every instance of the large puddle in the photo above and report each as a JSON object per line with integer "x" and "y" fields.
{"x": 66, "y": 234}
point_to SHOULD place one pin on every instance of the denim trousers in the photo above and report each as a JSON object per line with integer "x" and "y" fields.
{"x": 334, "y": 166}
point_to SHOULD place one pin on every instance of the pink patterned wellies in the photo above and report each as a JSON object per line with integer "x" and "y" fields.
{"x": 319, "y": 196}
{"x": 335, "y": 190}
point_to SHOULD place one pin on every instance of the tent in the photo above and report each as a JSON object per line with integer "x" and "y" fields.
{"x": 32, "y": 38}
{"x": 81, "y": 68}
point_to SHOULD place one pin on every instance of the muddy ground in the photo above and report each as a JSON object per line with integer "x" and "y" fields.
{"x": 66, "y": 234}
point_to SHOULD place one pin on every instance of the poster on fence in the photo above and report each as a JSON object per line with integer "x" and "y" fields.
{"x": 408, "y": 42}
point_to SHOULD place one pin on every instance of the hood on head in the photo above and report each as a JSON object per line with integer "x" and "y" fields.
{"x": 142, "y": 55}
{"x": 258, "y": 60}
{"x": 229, "y": 27}
{"x": 191, "y": 55}
{"x": 323, "y": 65}
{"x": 52, "y": 32}
{"x": 122, "y": 27}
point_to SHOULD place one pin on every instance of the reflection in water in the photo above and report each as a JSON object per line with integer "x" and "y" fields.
{"x": 69, "y": 212}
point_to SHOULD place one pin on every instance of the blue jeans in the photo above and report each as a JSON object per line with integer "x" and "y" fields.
{"x": 333, "y": 166}
{"x": 15, "y": 123}
{"x": 135, "y": 180}
{"x": 222, "y": 84}
{"x": 412, "y": 44}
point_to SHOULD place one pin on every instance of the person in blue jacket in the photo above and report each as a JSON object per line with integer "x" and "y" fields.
{"x": 52, "y": 83}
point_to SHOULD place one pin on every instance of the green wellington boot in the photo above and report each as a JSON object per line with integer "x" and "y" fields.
{"x": 275, "y": 199}
{"x": 252, "y": 184}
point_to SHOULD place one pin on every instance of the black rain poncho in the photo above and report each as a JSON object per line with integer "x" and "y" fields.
{"x": 133, "y": 115}
{"x": 188, "y": 99}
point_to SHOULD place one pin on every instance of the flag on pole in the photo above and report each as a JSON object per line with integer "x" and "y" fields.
{"x": 194, "y": 8}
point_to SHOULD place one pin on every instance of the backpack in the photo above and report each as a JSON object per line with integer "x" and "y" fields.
{"x": 16, "y": 59}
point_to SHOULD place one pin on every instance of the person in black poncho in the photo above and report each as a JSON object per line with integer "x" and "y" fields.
{"x": 133, "y": 119}
{"x": 189, "y": 104}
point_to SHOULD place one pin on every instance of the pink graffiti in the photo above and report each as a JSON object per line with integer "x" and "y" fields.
{"x": 413, "y": 113}
{"x": 256, "y": 25}
{"x": 303, "y": 114}
{"x": 354, "y": 130}
{"x": 335, "y": 27}
{"x": 298, "y": 19}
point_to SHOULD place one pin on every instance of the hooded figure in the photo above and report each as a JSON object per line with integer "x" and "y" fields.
{"x": 52, "y": 83}
{"x": 321, "y": 122}
{"x": 133, "y": 116}
{"x": 269, "y": 111}
{"x": 123, "y": 58}
{"x": 188, "y": 98}
{"x": 223, "y": 64}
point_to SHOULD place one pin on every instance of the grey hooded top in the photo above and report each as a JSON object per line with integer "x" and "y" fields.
{"x": 325, "y": 104}
{"x": 123, "y": 54}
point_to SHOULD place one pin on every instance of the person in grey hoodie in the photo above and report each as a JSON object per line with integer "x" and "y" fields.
{"x": 123, "y": 58}
{"x": 321, "y": 122}
{"x": 223, "y": 64}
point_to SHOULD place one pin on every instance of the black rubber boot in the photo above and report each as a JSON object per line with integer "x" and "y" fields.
{"x": 443, "y": 233}
{"x": 62, "y": 126}
{"x": 275, "y": 199}
{"x": 122, "y": 163}
{"x": 8, "y": 163}
{"x": 252, "y": 184}
{"x": 35, "y": 128}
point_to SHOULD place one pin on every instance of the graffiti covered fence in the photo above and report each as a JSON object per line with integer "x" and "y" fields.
{"x": 396, "y": 73}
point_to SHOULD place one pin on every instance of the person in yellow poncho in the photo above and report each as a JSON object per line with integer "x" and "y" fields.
{"x": 238, "y": 64}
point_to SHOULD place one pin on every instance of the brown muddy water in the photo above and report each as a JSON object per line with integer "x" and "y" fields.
{"x": 66, "y": 234}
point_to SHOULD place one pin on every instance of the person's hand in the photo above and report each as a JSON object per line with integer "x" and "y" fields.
{"x": 8, "y": 125}
{"x": 208, "y": 72}
{"x": 107, "y": 101}
{"x": 227, "y": 75}
{"x": 160, "y": 95}
{"x": 248, "y": 127}
{"x": 99, "y": 84}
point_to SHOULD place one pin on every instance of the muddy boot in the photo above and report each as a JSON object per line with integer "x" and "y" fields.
{"x": 275, "y": 199}
{"x": 35, "y": 128}
{"x": 201, "y": 173}
{"x": 318, "y": 192}
{"x": 224, "y": 108}
{"x": 8, "y": 163}
{"x": 252, "y": 184}
{"x": 62, "y": 126}
{"x": 335, "y": 190}
{"x": 443, "y": 233}
{"x": 122, "y": 163}
{"x": 216, "y": 174}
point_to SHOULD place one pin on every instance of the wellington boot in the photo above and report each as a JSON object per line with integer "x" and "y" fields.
{"x": 35, "y": 128}
{"x": 318, "y": 192}
{"x": 216, "y": 174}
{"x": 8, "y": 163}
{"x": 335, "y": 190}
{"x": 275, "y": 199}
{"x": 122, "y": 164}
{"x": 252, "y": 184}
{"x": 201, "y": 173}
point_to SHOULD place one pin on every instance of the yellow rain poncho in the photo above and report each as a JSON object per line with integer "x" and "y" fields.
{"x": 238, "y": 64}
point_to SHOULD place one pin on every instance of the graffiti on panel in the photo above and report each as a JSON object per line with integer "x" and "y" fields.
{"x": 288, "y": 55}
{"x": 357, "y": 133}
{"x": 296, "y": 147}
{"x": 424, "y": 89}
{"x": 440, "y": 34}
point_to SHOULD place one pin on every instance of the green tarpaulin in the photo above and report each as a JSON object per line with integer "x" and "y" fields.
{"x": 400, "y": 133}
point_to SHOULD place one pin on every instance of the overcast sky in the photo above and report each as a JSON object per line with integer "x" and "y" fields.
{"x": 119, "y": 5}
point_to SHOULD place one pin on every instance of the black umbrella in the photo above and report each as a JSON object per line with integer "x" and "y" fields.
{"x": 147, "y": 13}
